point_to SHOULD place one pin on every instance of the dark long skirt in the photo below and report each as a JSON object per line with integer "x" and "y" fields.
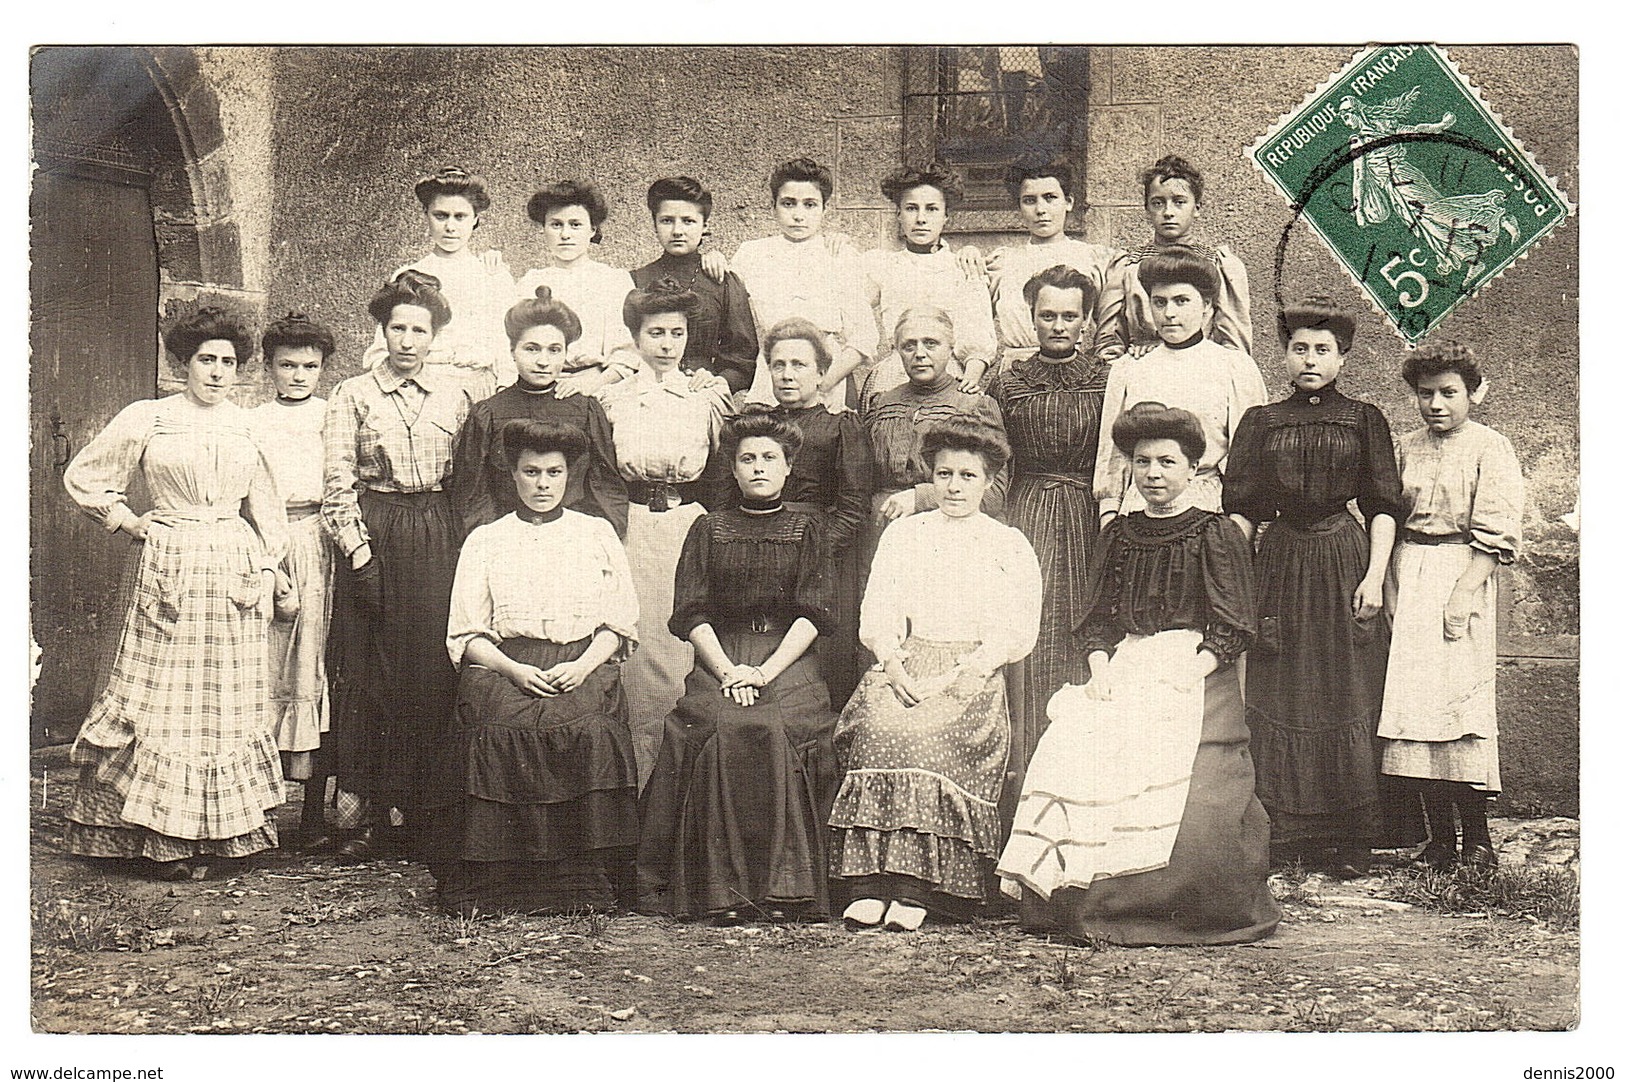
{"x": 1215, "y": 887}
{"x": 734, "y": 815}
{"x": 839, "y": 655}
{"x": 536, "y": 809}
{"x": 1060, "y": 519}
{"x": 1314, "y": 687}
{"x": 391, "y": 681}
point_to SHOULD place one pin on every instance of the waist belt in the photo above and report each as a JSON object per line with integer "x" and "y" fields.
{"x": 1414, "y": 538}
{"x": 404, "y": 499}
{"x": 297, "y": 511}
{"x": 1335, "y": 521}
{"x": 760, "y": 624}
{"x": 660, "y": 496}
{"x": 1050, "y": 480}
{"x": 201, "y": 515}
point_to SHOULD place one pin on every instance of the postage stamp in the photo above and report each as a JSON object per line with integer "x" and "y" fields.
{"x": 1415, "y": 185}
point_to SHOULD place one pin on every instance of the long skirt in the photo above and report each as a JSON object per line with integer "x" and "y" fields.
{"x": 919, "y": 796}
{"x": 1438, "y": 718}
{"x": 298, "y": 647}
{"x": 537, "y": 806}
{"x": 734, "y": 814}
{"x": 392, "y": 680}
{"x": 176, "y": 757}
{"x": 1060, "y": 519}
{"x": 655, "y": 672}
{"x": 1315, "y": 684}
{"x": 838, "y": 650}
{"x": 1214, "y": 886}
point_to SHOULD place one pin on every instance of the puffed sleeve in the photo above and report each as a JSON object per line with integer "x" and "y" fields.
{"x": 472, "y": 610}
{"x": 470, "y": 483}
{"x": 736, "y": 344}
{"x": 1111, "y": 312}
{"x": 692, "y": 603}
{"x": 1232, "y": 310}
{"x": 854, "y": 481}
{"x": 1497, "y": 520}
{"x": 98, "y": 478}
{"x": 620, "y": 597}
{"x": 1098, "y": 627}
{"x": 883, "y": 615}
{"x": 265, "y": 508}
{"x": 1227, "y": 575}
{"x": 1246, "y": 391}
{"x": 1246, "y": 480}
{"x": 815, "y": 581}
{"x": 975, "y": 337}
{"x": 1380, "y": 492}
{"x": 1111, "y": 465}
{"x": 605, "y": 487}
{"x": 1013, "y": 630}
{"x": 341, "y": 508}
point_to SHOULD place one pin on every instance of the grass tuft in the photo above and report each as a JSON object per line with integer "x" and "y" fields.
{"x": 1546, "y": 894}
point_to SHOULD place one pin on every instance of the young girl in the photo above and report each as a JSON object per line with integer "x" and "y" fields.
{"x": 925, "y": 273}
{"x": 571, "y": 215}
{"x": 1463, "y": 516}
{"x": 542, "y": 333}
{"x": 665, "y": 426}
{"x": 1315, "y": 673}
{"x": 800, "y": 274}
{"x": 1173, "y": 203}
{"x": 477, "y": 289}
{"x": 1137, "y": 822}
{"x": 289, "y": 430}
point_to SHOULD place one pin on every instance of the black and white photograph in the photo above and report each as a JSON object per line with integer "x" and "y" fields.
{"x": 960, "y": 538}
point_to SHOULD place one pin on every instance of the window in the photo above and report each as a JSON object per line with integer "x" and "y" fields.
{"x": 981, "y": 108}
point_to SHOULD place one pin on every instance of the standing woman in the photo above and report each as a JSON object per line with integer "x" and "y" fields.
{"x": 925, "y": 738}
{"x": 387, "y": 443}
{"x": 177, "y": 761}
{"x": 571, "y": 215}
{"x": 1052, "y": 401}
{"x": 289, "y": 430}
{"x": 734, "y": 815}
{"x": 537, "y": 806}
{"x": 665, "y": 426}
{"x": 469, "y": 346}
{"x": 1315, "y": 673}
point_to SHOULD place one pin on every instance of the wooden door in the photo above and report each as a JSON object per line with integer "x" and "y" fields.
{"x": 94, "y": 308}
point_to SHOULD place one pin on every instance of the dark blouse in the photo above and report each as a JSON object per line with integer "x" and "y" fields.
{"x": 1304, "y": 458}
{"x": 739, "y": 566}
{"x": 482, "y": 487}
{"x": 833, "y": 470}
{"x": 897, "y": 422}
{"x": 1052, "y": 414}
{"x": 1192, "y": 570}
{"x": 722, "y": 334}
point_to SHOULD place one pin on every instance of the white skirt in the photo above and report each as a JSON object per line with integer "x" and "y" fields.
{"x": 653, "y": 676}
{"x": 1106, "y": 788}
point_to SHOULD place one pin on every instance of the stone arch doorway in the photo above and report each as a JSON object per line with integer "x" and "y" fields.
{"x": 124, "y": 216}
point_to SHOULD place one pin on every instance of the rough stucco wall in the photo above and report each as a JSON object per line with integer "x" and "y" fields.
{"x": 350, "y": 142}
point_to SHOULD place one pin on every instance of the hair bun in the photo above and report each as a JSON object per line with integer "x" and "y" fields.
{"x": 209, "y": 311}
{"x": 668, "y": 284}
{"x": 296, "y": 317}
{"x": 415, "y": 279}
{"x": 544, "y": 294}
{"x": 449, "y": 172}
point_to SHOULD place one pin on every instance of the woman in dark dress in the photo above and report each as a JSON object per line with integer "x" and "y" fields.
{"x": 833, "y": 474}
{"x": 541, "y": 332}
{"x": 387, "y": 443}
{"x": 1051, "y": 402}
{"x": 537, "y": 810}
{"x": 1137, "y": 822}
{"x": 734, "y": 814}
{"x": 1315, "y": 674}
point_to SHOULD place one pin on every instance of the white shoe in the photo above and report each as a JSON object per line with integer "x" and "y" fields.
{"x": 864, "y": 913}
{"x": 904, "y": 918}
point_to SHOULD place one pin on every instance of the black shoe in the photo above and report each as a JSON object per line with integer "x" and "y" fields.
{"x": 1439, "y": 856}
{"x": 1479, "y": 856}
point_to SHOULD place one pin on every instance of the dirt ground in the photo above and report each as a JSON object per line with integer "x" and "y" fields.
{"x": 306, "y": 945}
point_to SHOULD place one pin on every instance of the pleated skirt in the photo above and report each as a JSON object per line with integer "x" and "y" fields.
{"x": 734, "y": 815}
{"x": 536, "y": 807}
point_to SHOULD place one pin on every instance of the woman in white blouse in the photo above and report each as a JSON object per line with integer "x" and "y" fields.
{"x": 536, "y": 806}
{"x": 925, "y": 737}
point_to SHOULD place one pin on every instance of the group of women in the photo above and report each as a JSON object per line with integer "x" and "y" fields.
{"x": 597, "y": 591}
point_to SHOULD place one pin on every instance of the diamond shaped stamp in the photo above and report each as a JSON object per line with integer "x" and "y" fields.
{"x": 1415, "y": 185}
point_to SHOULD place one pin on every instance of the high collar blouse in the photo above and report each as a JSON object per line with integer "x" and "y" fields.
{"x": 722, "y": 335}
{"x": 663, "y": 430}
{"x": 1125, "y": 316}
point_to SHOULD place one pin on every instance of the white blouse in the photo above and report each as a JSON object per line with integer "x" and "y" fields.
{"x": 290, "y": 435}
{"x": 953, "y": 580}
{"x": 560, "y": 581}
{"x": 1017, "y": 265}
{"x": 478, "y": 298}
{"x": 663, "y": 430}
{"x": 596, "y": 294}
{"x": 899, "y": 280}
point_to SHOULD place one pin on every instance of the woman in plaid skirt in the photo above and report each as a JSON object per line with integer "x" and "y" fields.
{"x": 178, "y": 764}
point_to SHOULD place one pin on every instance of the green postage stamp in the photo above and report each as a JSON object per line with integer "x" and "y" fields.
{"x": 1413, "y": 183}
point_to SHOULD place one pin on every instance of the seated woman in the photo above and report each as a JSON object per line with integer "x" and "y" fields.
{"x": 1137, "y": 822}
{"x": 925, "y": 737}
{"x": 537, "y": 801}
{"x": 734, "y": 814}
